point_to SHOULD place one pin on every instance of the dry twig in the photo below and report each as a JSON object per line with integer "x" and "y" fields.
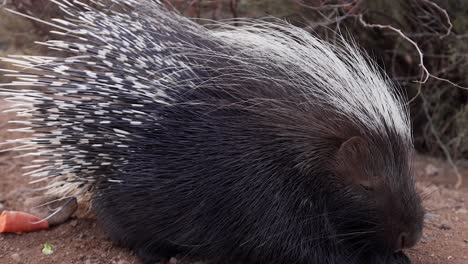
{"x": 441, "y": 144}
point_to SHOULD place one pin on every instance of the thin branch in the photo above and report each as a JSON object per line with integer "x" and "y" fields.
{"x": 446, "y": 15}
{"x": 441, "y": 144}
{"x": 425, "y": 75}
{"x": 324, "y": 6}
{"x": 448, "y": 81}
{"x": 333, "y": 14}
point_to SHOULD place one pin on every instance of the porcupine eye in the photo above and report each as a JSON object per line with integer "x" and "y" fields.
{"x": 367, "y": 188}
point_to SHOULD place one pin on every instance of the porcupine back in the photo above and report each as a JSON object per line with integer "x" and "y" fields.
{"x": 143, "y": 94}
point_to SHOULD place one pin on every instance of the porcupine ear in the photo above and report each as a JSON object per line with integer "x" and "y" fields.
{"x": 350, "y": 161}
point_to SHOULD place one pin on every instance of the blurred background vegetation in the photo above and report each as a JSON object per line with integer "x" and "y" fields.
{"x": 421, "y": 44}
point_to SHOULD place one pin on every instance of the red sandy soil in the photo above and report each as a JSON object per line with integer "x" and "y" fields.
{"x": 80, "y": 240}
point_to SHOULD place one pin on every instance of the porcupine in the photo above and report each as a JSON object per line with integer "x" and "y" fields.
{"x": 257, "y": 143}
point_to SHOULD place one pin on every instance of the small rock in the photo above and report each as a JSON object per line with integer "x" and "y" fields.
{"x": 16, "y": 257}
{"x": 173, "y": 261}
{"x": 424, "y": 239}
{"x": 459, "y": 211}
{"x": 445, "y": 226}
{"x": 430, "y": 216}
{"x": 449, "y": 257}
{"x": 431, "y": 170}
{"x": 66, "y": 207}
{"x": 74, "y": 223}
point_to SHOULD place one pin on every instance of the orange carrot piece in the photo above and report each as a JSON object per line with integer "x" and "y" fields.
{"x": 20, "y": 222}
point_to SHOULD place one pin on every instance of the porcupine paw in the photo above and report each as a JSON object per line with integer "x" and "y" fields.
{"x": 399, "y": 258}
{"x": 151, "y": 256}
{"x": 396, "y": 258}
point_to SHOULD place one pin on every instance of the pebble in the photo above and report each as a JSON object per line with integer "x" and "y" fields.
{"x": 16, "y": 257}
{"x": 68, "y": 207}
{"x": 445, "y": 226}
{"x": 74, "y": 223}
{"x": 424, "y": 239}
{"x": 431, "y": 170}
{"x": 431, "y": 216}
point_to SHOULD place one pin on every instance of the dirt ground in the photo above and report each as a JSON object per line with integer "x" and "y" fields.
{"x": 80, "y": 240}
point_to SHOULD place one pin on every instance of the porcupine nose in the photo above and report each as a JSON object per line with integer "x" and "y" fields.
{"x": 406, "y": 240}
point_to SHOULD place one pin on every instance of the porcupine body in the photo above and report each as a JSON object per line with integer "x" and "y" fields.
{"x": 254, "y": 144}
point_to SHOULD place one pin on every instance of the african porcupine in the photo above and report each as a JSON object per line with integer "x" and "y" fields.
{"x": 258, "y": 143}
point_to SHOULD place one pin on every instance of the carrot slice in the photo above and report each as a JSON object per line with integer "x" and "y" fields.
{"x": 20, "y": 222}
